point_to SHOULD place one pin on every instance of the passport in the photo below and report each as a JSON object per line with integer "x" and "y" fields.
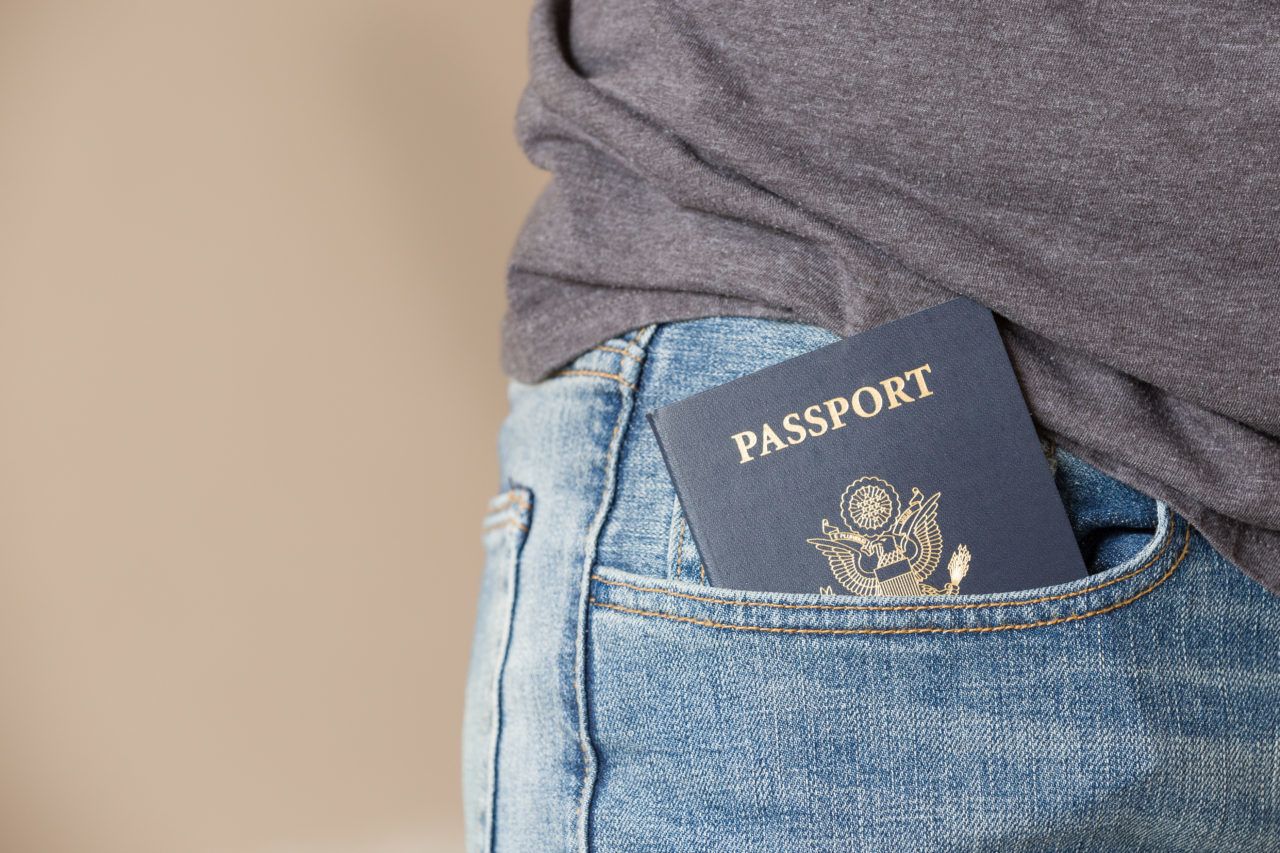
{"x": 900, "y": 461}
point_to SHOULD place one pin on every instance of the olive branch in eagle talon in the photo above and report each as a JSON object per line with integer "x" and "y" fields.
{"x": 885, "y": 549}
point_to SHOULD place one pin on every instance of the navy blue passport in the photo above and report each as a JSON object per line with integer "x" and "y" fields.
{"x": 901, "y": 461}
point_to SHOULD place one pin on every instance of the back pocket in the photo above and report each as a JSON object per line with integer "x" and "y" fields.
{"x": 731, "y": 720}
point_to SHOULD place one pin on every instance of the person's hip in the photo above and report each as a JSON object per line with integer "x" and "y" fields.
{"x": 618, "y": 701}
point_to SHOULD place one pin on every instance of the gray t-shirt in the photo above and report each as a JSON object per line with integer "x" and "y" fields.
{"x": 1105, "y": 177}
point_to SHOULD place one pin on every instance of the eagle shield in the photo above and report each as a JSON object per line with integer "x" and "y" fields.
{"x": 884, "y": 548}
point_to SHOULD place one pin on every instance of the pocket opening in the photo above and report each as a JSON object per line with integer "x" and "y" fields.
{"x": 637, "y": 596}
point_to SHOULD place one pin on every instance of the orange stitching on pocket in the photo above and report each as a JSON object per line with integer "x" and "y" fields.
{"x": 621, "y": 380}
{"x": 510, "y": 522}
{"x": 988, "y": 629}
{"x": 891, "y": 607}
{"x": 511, "y": 497}
{"x": 621, "y": 352}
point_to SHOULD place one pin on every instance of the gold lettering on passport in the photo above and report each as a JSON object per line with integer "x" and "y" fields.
{"x": 884, "y": 549}
{"x": 830, "y": 415}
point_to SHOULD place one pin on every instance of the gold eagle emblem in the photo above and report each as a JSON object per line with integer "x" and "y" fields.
{"x": 885, "y": 549}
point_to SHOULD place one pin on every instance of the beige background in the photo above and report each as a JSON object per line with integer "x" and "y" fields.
{"x": 251, "y": 262}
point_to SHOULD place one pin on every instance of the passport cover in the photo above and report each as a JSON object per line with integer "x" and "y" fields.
{"x": 901, "y": 461}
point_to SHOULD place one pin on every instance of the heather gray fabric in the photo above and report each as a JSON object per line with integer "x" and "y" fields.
{"x": 1105, "y": 177}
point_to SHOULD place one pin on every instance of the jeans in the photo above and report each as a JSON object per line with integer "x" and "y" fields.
{"x": 617, "y": 702}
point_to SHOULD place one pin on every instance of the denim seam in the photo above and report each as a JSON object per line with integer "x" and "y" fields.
{"x": 509, "y": 497}
{"x": 983, "y": 629}
{"x": 626, "y": 405}
{"x": 621, "y": 352}
{"x": 900, "y": 607}
{"x": 684, "y": 527}
{"x": 621, "y": 380}
{"x": 516, "y": 508}
{"x": 510, "y": 522}
{"x": 673, "y": 539}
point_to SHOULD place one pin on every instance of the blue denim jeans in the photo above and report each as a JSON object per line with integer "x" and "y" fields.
{"x": 617, "y": 702}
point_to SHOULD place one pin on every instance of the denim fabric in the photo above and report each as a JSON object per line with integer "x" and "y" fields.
{"x": 619, "y": 703}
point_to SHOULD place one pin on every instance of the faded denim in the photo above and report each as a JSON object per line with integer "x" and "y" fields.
{"x": 616, "y": 702}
